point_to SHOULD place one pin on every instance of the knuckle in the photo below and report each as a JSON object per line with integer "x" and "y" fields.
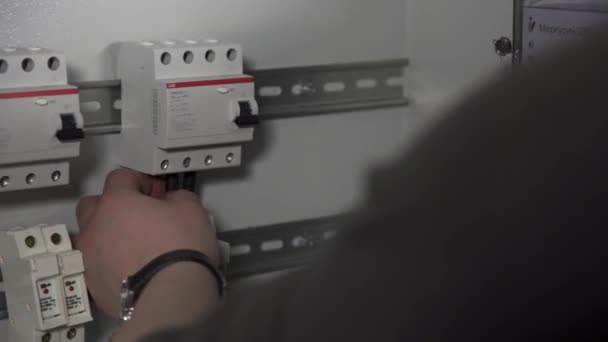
{"x": 117, "y": 173}
{"x": 108, "y": 202}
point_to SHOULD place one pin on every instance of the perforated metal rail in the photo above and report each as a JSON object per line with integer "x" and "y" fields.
{"x": 278, "y": 247}
{"x": 281, "y": 93}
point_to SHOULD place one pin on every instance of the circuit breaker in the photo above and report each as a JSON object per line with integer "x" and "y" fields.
{"x": 45, "y": 290}
{"x": 186, "y": 106}
{"x": 40, "y": 120}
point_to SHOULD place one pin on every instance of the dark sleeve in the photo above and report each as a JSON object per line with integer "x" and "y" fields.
{"x": 493, "y": 227}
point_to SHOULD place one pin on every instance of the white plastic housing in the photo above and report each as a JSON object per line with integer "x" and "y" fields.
{"x": 34, "y": 93}
{"x": 44, "y": 284}
{"x": 179, "y": 103}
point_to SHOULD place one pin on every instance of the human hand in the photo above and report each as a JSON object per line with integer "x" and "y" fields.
{"x": 130, "y": 224}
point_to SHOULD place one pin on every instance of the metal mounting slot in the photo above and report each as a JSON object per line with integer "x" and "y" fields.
{"x": 326, "y": 89}
{"x": 100, "y": 107}
{"x": 278, "y": 247}
{"x": 280, "y": 93}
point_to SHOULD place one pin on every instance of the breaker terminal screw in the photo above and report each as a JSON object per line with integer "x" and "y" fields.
{"x": 71, "y": 333}
{"x": 30, "y": 179}
{"x": 208, "y": 160}
{"x": 30, "y": 241}
{"x": 187, "y": 162}
{"x": 5, "y": 181}
{"x": 164, "y": 165}
{"x": 230, "y": 158}
{"x": 56, "y": 238}
{"x": 56, "y": 176}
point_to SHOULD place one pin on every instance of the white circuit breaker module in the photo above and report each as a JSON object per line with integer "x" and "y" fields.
{"x": 186, "y": 106}
{"x": 43, "y": 278}
{"x": 40, "y": 120}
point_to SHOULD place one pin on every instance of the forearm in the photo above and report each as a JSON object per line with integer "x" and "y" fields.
{"x": 175, "y": 297}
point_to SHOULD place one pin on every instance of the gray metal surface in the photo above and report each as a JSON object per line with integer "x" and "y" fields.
{"x": 105, "y": 95}
{"x": 303, "y": 91}
{"x": 279, "y": 247}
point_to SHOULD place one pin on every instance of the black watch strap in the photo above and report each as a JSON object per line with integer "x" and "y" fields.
{"x": 134, "y": 285}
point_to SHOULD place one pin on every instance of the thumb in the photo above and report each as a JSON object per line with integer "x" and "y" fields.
{"x": 85, "y": 210}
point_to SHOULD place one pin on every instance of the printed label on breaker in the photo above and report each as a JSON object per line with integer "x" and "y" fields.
{"x": 180, "y": 109}
{"x": 73, "y": 295}
{"x": 48, "y": 296}
{"x": 155, "y": 112}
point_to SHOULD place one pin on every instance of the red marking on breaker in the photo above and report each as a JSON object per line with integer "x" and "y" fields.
{"x": 207, "y": 83}
{"x": 39, "y": 93}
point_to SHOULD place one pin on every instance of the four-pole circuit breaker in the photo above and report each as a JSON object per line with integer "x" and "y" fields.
{"x": 45, "y": 290}
{"x": 186, "y": 106}
{"x": 40, "y": 120}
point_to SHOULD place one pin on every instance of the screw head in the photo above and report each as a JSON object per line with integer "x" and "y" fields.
{"x": 230, "y": 158}
{"x": 56, "y": 238}
{"x": 5, "y": 181}
{"x": 208, "y": 160}
{"x": 30, "y": 179}
{"x": 164, "y": 165}
{"x": 71, "y": 333}
{"x": 503, "y": 46}
{"x": 56, "y": 176}
{"x": 46, "y": 337}
{"x": 30, "y": 241}
{"x": 187, "y": 162}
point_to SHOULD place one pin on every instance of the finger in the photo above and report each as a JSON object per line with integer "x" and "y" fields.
{"x": 158, "y": 188}
{"x": 128, "y": 180}
{"x": 182, "y": 196}
{"x": 85, "y": 210}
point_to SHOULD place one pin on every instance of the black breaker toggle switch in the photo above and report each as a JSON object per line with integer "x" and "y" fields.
{"x": 69, "y": 129}
{"x": 246, "y": 118}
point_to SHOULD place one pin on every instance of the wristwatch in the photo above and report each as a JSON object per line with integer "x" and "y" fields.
{"x": 133, "y": 286}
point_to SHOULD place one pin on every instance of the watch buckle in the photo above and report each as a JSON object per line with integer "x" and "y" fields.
{"x": 127, "y": 300}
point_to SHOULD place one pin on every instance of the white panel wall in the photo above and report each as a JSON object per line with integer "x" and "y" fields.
{"x": 274, "y": 33}
{"x": 451, "y": 47}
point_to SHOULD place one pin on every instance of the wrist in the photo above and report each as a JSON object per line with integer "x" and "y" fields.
{"x": 176, "y": 296}
{"x": 133, "y": 286}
